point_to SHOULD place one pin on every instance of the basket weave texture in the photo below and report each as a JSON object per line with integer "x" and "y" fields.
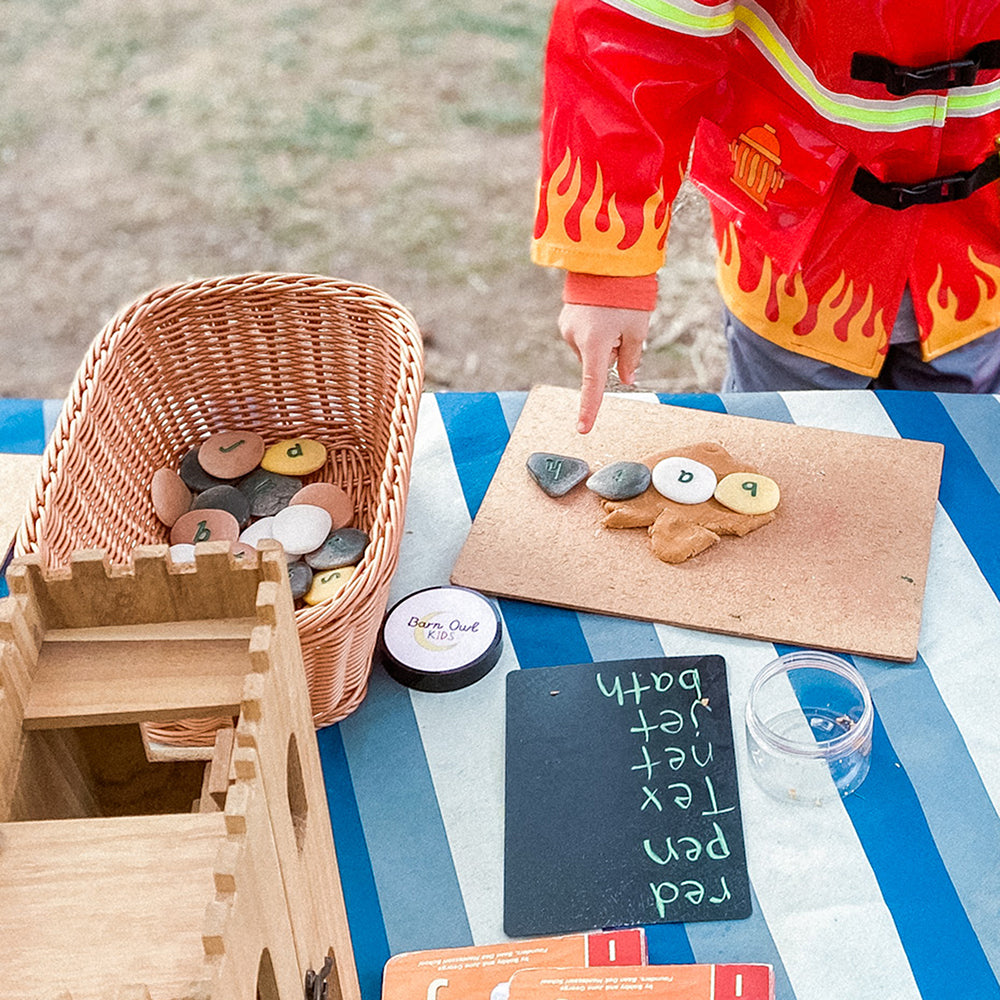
{"x": 284, "y": 355}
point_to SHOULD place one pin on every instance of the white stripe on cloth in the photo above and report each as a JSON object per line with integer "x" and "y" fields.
{"x": 463, "y": 732}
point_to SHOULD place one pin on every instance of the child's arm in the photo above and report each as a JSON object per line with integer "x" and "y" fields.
{"x": 605, "y": 320}
{"x": 601, "y": 336}
{"x": 623, "y": 96}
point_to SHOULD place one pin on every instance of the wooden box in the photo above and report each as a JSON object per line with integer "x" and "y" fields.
{"x": 122, "y": 876}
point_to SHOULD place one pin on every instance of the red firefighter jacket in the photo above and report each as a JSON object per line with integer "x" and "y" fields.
{"x": 794, "y": 108}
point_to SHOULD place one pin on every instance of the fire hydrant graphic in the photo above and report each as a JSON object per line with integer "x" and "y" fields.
{"x": 756, "y": 159}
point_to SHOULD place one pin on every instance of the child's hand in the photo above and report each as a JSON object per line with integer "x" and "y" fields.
{"x": 600, "y": 336}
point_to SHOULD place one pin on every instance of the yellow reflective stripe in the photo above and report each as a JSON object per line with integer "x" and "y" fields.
{"x": 977, "y": 100}
{"x": 714, "y": 24}
{"x": 927, "y": 112}
{"x": 892, "y": 115}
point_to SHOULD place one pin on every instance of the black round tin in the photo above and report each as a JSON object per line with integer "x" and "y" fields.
{"x": 440, "y": 639}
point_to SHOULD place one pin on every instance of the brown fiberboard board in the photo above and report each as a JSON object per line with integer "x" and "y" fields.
{"x": 842, "y": 566}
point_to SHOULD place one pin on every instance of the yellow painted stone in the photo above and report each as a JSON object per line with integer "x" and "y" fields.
{"x": 294, "y": 457}
{"x": 748, "y": 493}
{"x": 328, "y": 584}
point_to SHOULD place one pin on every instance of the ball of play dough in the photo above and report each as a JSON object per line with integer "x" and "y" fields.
{"x": 748, "y": 493}
{"x": 684, "y": 480}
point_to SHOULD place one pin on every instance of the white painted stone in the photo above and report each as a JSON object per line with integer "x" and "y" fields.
{"x": 301, "y": 528}
{"x": 684, "y": 480}
{"x": 259, "y": 529}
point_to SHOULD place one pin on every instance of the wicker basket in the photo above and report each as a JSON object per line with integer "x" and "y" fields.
{"x": 282, "y": 354}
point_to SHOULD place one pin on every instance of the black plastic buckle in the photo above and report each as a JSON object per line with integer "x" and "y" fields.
{"x": 903, "y": 80}
{"x": 940, "y": 76}
{"x": 932, "y": 192}
{"x": 954, "y": 187}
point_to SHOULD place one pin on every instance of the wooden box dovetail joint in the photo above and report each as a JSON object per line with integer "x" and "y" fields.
{"x": 125, "y": 877}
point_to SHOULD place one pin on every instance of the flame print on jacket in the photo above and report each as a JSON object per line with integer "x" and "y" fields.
{"x": 947, "y": 330}
{"x": 839, "y": 325}
{"x": 585, "y": 232}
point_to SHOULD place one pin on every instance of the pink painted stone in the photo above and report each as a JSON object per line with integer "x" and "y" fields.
{"x": 231, "y": 454}
{"x": 335, "y": 501}
{"x": 204, "y": 526}
{"x": 170, "y": 496}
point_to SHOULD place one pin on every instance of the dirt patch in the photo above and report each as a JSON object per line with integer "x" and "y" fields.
{"x": 144, "y": 143}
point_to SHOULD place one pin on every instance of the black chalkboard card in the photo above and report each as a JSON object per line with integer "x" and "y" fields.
{"x": 622, "y": 806}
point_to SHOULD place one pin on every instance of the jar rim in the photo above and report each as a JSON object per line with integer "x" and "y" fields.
{"x": 857, "y": 735}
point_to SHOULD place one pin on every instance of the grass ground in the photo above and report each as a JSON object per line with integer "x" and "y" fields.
{"x": 145, "y": 142}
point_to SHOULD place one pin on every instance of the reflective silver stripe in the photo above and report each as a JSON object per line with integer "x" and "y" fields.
{"x": 872, "y": 115}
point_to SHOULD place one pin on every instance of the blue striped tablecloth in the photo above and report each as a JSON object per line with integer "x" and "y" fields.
{"x": 893, "y": 894}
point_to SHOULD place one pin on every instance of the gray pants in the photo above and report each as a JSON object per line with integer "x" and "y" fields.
{"x": 757, "y": 365}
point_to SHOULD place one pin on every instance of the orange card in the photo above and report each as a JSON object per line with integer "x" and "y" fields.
{"x": 651, "y": 982}
{"x": 479, "y": 971}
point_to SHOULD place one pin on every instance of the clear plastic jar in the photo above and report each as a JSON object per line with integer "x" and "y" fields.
{"x": 809, "y": 719}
